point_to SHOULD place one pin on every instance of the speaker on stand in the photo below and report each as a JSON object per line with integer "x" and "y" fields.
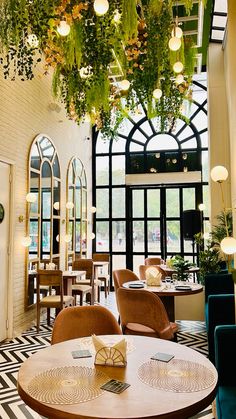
{"x": 192, "y": 224}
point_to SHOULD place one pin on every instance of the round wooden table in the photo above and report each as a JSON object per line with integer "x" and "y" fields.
{"x": 167, "y": 295}
{"x": 140, "y": 400}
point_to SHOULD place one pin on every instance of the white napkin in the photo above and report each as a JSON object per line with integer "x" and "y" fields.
{"x": 153, "y": 277}
{"x": 102, "y": 349}
{"x": 50, "y": 266}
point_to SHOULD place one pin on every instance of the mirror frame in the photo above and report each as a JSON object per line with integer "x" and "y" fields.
{"x": 77, "y": 169}
{"x": 32, "y": 215}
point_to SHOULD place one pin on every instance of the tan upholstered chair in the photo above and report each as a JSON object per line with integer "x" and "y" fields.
{"x": 143, "y": 313}
{"x": 52, "y": 279}
{"x": 104, "y": 276}
{"x": 77, "y": 322}
{"x": 121, "y": 276}
{"x": 153, "y": 261}
{"x": 143, "y": 269}
{"x": 84, "y": 286}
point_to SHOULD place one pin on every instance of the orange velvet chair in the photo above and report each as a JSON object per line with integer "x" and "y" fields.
{"x": 153, "y": 261}
{"x": 121, "y": 276}
{"x": 143, "y": 313}
{"x": 144, "y": 268}
{"x": 78, "y": 322}
{"x": 85, "y": 286}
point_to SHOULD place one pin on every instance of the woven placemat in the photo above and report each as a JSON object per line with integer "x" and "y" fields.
{"x": 67, "y": 385}
{"x": 87, "y": 343}
{"x": 177, "y": 375}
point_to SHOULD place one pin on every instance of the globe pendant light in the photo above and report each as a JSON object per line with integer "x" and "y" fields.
{"x": 178, "y": 67}
{"x": 157, "y": 93}
{"x": 177, "y": 31}
{"x": 101, "y": 7}
{"x": 228, "y": 245}
{"x": 63, "y": 28}
{"x": 219, "y": 174}
{"x": 179, "y": 79}
{"x": 174, "y": 43}
{"x": 124, "y": 85}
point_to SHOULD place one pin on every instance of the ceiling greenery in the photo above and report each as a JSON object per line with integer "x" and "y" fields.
{"x": 104, "y": 63}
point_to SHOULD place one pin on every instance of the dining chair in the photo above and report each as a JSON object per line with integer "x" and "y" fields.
{"x": 143, "y": 313}
{"x": 85, "y": 286}
{"x": 77, "y": 322}
{"x": 52, "y": 279}
{"x": 104, "y": 277}
{"x": 144, "y": 268}
{"x": 121, "y": 276}
{"x": 153, "y": 261}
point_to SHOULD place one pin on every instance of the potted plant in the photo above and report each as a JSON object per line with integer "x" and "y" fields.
{"x": 209, "y": 257}
{"x": 182, "y": 267}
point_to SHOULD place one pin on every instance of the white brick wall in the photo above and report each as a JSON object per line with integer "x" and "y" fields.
{"x": 24, "y": 113}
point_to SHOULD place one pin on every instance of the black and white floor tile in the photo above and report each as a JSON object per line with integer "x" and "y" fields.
{"x": 14, "y": 352}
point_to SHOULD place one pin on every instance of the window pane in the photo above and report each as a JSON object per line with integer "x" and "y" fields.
{"x": 118, "y": 202}
{"x": 46, "y": 204}
{"x": 118, "y": 262}
{"x": 206, "y": 200}
{"x": 118, "y": 236}
{"x": 172, "y": 202}
{"x": 205, "y": 166}
{"x": 138, "y": 203}
{"x": 56, "y": 233}
{"x": 118, "y": 170}
{"x": 35, "y": 159}
{"x": 138, "y": 236}
{"x": 56, "y": 196}
{"x": 71, "y": 233}
{"x": 173, "y": 236}
{"x": 102, "y": 145}
{"x": 137, "y": 260}
{"x": 33, "y": 232}
{"x": 77, "y": 236}
{"x": 102, "y": 236}
{"x": 188, "y": 198}
{"x": 153, "y": 203}
{"x": 102, "y": 170}
{"x": 102, "y": 203}
{"x": 154, "y": 236}
{"x": 34, "y": 188}
{"x": 46, "y": 235}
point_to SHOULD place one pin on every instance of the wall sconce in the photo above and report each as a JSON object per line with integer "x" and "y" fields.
{"x": 26, "y": 241}
{"x": 30, "y": 198}
{"x": 219, "y": 174}
{"x": 69, "y": 205}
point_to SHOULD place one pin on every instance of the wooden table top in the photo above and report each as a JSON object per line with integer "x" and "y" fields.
{"x": 71, "y": 274}
{"x": 138, "y": 401}
{"x": 164, "y": 291}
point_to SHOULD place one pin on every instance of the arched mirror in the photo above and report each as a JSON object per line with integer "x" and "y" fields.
{"x": 43, "y": 209}
{"x": 76, "y": 218}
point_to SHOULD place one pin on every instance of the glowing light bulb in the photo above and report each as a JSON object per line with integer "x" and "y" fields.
{"x": 124, "y": 85}
{"x": 67, "y": 238}
{"x": 31, "y": 197}
{"x": 117, "y": 16}
{"x": 32, "y": 40}
{"x": 219, "y": 174}
{"x": 101, "y": 7}
{"x": 87, "y": 118}
{"x": 178, "y": 67}
{"x": 177, "y": 32}
{"x": 58, "y": 238}
{"x": 157, "y": 93}
{"x": 174, "y": 43}
{"x": 69, "y": 205}
{"x": 26, "y": 241}
{"x": 56, "y": 206}
{"x": 63, "y": 28}
{"x": 92, "y": 236}
{"x": 202, "y": 207}
{"x": 93, "y": 210}
{"x": 228, "y": 245}
{"x": 179, "y": 79}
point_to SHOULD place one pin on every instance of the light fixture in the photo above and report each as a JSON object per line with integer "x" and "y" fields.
{"x": 178, "y": 67}
{"x": 69, "y": 205}
{"x": 67, "y": 238}
{"x": 63, "y": 28}
{"x": 26, "y": 241}
{"x": 32, "y": 40}
{"x": 58, "y": 238}
{"x": 219, "y": 174}
{"x": 201, "y": 207}
{"x": 117, "y": 16}
{"x": 56, "y": 206}
{"x": 31, "y": 197}
{"x": 101, "y": 7}
{"x": 92, "y": 236}
{"x": 179, "y": 79}
{"x": 124, "y": 84}
{"x": 228, "y": 245}
{"x": 157, "y": 93}
{"x": 93, "y": 209}
{"x": 177, "y": 32}
{"x": 174, "y": 43}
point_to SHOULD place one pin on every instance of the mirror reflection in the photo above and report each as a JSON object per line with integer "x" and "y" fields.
{"x": 43, "y": 225}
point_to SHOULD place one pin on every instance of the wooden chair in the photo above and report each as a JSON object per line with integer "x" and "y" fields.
{"x": 144, "y": 268}
{"x": 104, "y": 277}
{"x": 153, "y": 261}
{"x": 77, "y": 322}
{"x": 52, "y": 279}
{"x": 143, "y": 313}
{"x": 86, "y": 286}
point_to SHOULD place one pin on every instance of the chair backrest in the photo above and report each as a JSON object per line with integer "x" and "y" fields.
{"x": 77, "y": 322}
{"x": 144, "y": 268}
{"x": 84, "y": 265}
{"x": 225, "y": 342}
{"x": 218, "y": 284}
{"x": 153, "y": 261}
{"x": 145, "y": 308}
{"x": 121, "y": 276}
{"x": 104, "y": 257}
{"x": 51, "y": 278}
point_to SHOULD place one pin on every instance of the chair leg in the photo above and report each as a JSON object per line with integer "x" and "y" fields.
{"x": 98, "y": 294}
{"x": 38, "y": 318}
{"x": 105, "y": 288}
{"x": 81, "y": 298}
{"x": 48, "y": 316}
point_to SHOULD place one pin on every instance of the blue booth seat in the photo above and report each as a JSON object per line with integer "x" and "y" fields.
{"x": 225, "y": 344}
{"x": 220, "y": 311}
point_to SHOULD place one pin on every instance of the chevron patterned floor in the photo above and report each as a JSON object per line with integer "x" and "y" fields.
{"x": 14, "y": 352}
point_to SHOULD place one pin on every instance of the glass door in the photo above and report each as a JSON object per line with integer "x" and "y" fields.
{"x": 155, "y": 227}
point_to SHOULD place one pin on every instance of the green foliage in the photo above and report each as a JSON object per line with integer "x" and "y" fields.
{"x": 209, "y": 257}
{"x": 219, "y": 231}
{"x": 182, "y": 266}
{"x": 129, "y": 19}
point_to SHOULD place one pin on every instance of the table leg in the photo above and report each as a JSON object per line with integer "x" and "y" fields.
{"x": 169, "y": 303}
